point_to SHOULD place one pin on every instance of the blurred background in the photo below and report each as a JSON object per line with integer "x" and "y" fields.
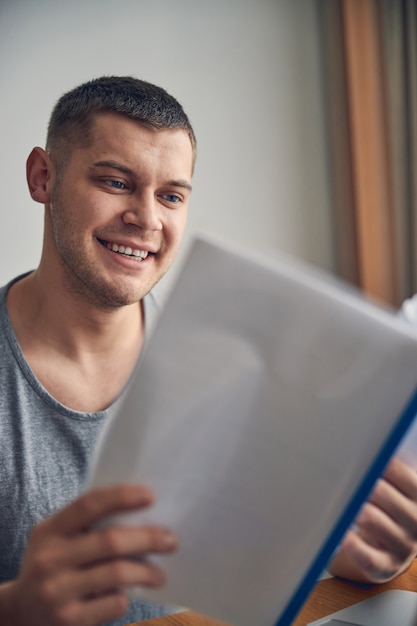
{"x": 290, "y": 102}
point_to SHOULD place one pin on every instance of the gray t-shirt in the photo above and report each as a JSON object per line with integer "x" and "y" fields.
{"x": 44, "y": 454}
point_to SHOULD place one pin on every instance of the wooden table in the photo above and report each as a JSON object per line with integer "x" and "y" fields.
{"x": 329, "y": 595}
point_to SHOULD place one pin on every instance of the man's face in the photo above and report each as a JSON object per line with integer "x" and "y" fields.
{"x": 118, "y": 210}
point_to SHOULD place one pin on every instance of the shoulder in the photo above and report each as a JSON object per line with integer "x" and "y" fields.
{"x": 7, "y": 336}
{"x": 5, "y": 288}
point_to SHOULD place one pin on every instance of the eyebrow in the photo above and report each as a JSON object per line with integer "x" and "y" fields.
{"x": 126, "y": 170}
{"x": 115, "y": 166}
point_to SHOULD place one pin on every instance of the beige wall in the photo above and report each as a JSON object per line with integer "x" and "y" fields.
{"x": 248, "y": 74}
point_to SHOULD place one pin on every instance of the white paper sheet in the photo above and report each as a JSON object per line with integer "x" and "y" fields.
{"x": 256, "y": 410}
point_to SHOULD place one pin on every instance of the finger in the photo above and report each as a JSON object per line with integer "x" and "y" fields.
{"x": 376, "y": 565}
{"x": 379, "y": 530}
{"x": 93, "y": 506}
{"x": 120, "y": 574}
{"x": 403, "y": 477}
{"x": 93, "y": 611}
{"x": 117, "y": 542}
{"x": 104, "y": 609}
{"x": 397, "y": 506}
{"x": 70, "y": 586}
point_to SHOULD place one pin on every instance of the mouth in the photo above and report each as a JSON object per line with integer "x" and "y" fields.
{"x": 118, "y": 248}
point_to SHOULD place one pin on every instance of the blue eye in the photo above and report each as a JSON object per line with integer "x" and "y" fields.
{"x": 116, "y": 184}
{"x": 171, "y": 197}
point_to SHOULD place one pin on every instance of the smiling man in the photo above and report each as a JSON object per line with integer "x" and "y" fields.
{"x": 115, "y": 181}
{"x": 126, "y": 194}
{"x": 116, "y": 208}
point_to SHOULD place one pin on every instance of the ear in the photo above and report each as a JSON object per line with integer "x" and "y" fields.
{"x": 39, "y": 171}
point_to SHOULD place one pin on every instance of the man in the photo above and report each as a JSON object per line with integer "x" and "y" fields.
{"x": 115, "y": 181}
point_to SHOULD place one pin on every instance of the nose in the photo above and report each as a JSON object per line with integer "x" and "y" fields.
{"x": 143, "y": 212}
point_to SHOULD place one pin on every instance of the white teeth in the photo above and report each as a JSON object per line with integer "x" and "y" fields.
{"x": 127, "y": 250}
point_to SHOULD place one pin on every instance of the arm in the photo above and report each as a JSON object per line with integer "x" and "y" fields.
{"x": 73, "y": 573}
{"x": 385, "y": 542}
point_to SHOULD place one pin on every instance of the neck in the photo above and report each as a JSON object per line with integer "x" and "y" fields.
{"x": 71, "y": 344}
{"x": 75, "y": 326}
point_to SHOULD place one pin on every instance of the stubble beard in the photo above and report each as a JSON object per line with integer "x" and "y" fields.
{"x": 81, "y": 278}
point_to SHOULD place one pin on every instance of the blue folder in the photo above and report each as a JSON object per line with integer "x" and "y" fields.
{"x": 263, "y": 409}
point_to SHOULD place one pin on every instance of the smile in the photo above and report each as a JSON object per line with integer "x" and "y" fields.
{"x": 133, "y": 253}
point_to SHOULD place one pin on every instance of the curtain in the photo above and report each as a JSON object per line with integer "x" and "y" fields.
{"x": 370, "y": 76}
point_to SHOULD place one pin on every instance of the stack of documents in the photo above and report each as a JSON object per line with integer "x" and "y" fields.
{"x": 263, "y": 409}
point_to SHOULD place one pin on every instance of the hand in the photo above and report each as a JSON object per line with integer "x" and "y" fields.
{"x": 73, "y": 574}
{"x": 385, "y": 542}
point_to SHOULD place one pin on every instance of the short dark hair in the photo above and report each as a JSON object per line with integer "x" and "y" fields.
{"x": 72, "y": 117}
